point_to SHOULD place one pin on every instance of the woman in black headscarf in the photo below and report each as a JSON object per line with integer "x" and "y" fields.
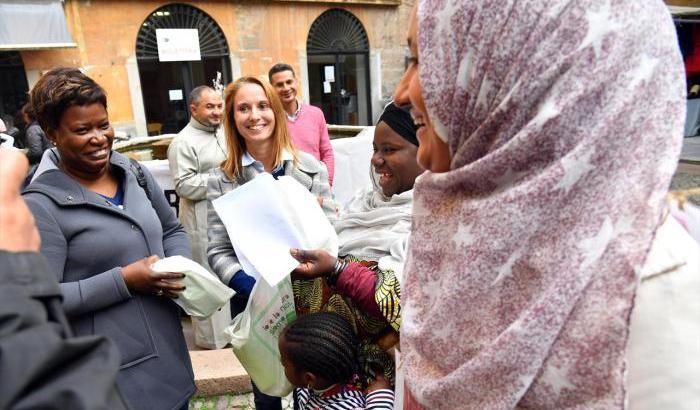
{"x": 363, "y": 283}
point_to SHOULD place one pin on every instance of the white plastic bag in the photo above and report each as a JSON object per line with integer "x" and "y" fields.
{"x": 204, "y": 294}
{"x": 209, "y": 332}
{"x": 254, "y": 334}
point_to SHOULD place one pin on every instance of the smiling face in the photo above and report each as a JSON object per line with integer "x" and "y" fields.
{"x": 433, "y": 153}
{"x": 394, "y": 159}
{"x": 253, "y": 115}
{"x": 84, "y": 139}
{"x": 285, "y": 85}
{"x": 208, "y": 109}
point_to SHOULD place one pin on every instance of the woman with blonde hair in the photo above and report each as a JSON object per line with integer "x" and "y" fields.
{"x": 266, "y": 135}
{"x": 257, "y": 141}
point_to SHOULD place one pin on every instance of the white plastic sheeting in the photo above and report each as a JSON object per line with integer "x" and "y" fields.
{"x": 683, "y": 10}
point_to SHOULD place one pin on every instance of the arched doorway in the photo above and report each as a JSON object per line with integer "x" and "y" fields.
{"x": 337, "y": 51}
{"x": 13, "y": 86}
{"x": 167, "y": 81}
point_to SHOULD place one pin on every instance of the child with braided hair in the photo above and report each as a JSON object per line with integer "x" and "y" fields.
{"x": 319, "y": 352}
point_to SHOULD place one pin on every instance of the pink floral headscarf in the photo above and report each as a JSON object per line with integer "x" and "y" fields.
{"x": 564, "y": 120}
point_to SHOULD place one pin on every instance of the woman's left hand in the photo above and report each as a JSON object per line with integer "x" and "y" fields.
{"x": 139, "y": 276}
{"x": 314, "y": 263}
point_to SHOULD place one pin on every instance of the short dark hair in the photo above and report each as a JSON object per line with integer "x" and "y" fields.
{"x": 27, "y": 110}
{"x": 323, "y": 343}
{"x": 61, "y": 88}
{"x": 196, "y": 93}
{"x": 278, "y": 68}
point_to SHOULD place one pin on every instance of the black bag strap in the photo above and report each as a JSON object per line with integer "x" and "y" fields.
{"x": 140, "y": 177}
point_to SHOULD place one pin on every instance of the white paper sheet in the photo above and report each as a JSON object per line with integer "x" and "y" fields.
{"x": 175, "y": 95}
{"x": 329, "y": 73}
{"x": 266, "y": 217}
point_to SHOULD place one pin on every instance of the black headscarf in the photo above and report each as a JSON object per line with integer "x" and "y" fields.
{"x": 399, "y": 119}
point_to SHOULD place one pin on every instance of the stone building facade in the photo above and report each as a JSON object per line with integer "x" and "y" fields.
{"x": 248, "y": 36}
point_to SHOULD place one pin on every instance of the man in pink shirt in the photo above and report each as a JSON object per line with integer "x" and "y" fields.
{"x": 306, "y": 123}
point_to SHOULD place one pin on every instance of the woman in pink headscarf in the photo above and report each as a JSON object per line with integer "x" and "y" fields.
{"x": 551, "y": 130}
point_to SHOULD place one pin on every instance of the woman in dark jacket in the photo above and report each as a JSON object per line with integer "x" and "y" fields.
{"x": 34, "y": 137}
{"x": 100, "y": 231}
{"x": 37, "y": 347}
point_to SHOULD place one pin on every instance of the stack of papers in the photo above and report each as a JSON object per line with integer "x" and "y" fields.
{"x": 265, "y": 217}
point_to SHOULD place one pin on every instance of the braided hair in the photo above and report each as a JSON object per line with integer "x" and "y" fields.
{"x": 324, "y": 344}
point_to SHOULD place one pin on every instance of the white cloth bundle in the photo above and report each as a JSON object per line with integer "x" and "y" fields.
{"x": 204, "y": 293}
{"x": 688, "y": 215}
{"x": 664, "y": 342}
{"x": 373, "y": 227}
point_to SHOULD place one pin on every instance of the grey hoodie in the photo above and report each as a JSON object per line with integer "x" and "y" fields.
{"x": 86, "y": 241}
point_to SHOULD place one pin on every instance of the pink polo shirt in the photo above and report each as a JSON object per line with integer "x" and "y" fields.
{"x": 310, "y": 134}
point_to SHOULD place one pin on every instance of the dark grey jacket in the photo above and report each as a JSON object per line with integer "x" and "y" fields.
{"x": 42, "y": 366}
{"x": 37, "y": 142}
{"x": 86, "y": 241}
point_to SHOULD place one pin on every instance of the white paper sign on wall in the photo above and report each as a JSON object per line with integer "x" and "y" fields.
{"x": 175, "y": 95}
{"x": 178, "y": 44}
{"x": 329, "y": 73}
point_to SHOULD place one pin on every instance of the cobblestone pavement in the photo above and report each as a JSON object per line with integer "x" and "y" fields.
{"x": 232, "y": 402}
{"x": 691, "y": 149}
{"x": 687, "y": 176}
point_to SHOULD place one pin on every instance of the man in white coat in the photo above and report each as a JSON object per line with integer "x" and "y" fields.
{"x": 193, "y": 154}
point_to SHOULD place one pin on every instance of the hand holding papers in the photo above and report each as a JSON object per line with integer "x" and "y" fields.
{"x": 266, "y": 217}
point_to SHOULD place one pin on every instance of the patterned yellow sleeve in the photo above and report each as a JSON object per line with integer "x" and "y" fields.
{"x": 387, "y": 295}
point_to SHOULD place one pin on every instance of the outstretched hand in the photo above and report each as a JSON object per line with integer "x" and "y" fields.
{"x": 314, "y": 263}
